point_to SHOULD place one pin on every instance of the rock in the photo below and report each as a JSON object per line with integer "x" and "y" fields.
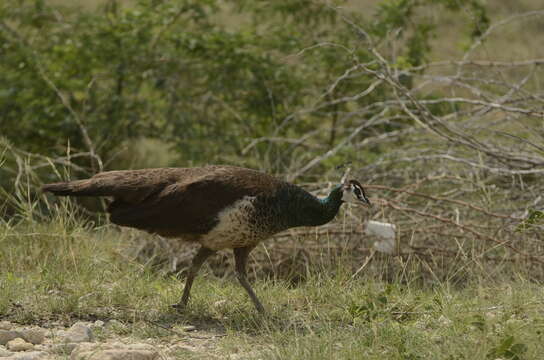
{"x": 55, "y": 334}
{"x": 115, "y": 325}
{"x": 31, "y": 355}
{"x": 8, "y": 335}
{"x": 86, "y": 347}
{"x": 98, "y": 323}
{"x": 179, "y": 350}
{"x": 62, "y": 349}
{"x": 4, "y": 352}
{"x": 19, "y": 344}
{"x": 115, "y": 352}
{"x": 79, "y": 332}
{"x": 188, "y": 328}
{"x": 490, "y": 315}
{"x": 185, "y": 328}
{"x": 34, "y": 335}
{"x": 137, "y": 346}
{"x": 5, "y": 325}
{"x": 444, "y": 320}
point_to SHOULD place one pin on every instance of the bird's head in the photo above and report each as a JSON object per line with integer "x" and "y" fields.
{"x": 353, "y": 192}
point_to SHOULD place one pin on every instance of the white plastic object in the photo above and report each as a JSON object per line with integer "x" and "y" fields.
{"x": 385, "y": 233}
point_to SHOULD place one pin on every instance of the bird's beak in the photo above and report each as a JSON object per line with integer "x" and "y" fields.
{"x": 364, "y": 200}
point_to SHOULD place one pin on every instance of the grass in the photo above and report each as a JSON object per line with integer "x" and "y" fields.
{"x": 65, "y": 270}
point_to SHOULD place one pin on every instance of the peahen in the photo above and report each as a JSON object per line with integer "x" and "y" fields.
{"x": 219, "y": 207}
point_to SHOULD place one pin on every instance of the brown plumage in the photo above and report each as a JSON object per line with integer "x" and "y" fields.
{"x": 217, "y": 206}
{"x": 170, "y": 202}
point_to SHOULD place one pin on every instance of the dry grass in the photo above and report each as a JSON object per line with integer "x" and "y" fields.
{"x": 64, "y": 270}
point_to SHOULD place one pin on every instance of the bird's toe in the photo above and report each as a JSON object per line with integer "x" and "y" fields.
{"x": 179, "y": 307}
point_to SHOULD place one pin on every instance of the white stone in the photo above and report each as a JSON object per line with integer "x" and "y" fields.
{"x": 115, "y": 325}
{"x": 19, "y": 344}
{"x": 115, "y": 352}
{"x": 140, "y": 346}
{"x": 490, "y": 315}
{"x": 5, "y": 325}
{"x": 58, "y": 334}
{"x": 444, "y": 320}
{"x": 4, "y": 352}
{"x": 188, "y": 328}
{"x": 30, "y": 355}
{"x": 63, "y": 349}
{"x": 8, "y": 335}
{"x": 34, "y": 335}
{"x": 98, "y": 323}
{"x": 182, "y": 349}
{"x": 79, "y": 332}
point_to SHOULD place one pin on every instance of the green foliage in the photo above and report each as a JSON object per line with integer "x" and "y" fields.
{"x": 397, "y": 17}
{"x": 178, "y": 72}
{"x": 371, "y": 307}
{"x": 508, "y": 348}
{"x": 534, "y": 218}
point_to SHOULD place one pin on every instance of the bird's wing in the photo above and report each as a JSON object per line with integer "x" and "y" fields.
{"x": 189, "y": 204}
{"x": 134, "y": 186}
{"x": 129, "y": 186}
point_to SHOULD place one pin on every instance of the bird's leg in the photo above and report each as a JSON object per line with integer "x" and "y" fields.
{"x": 201, "y": 256}
{"x": 240, "y": 257}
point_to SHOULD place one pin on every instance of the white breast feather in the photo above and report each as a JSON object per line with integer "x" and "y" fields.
{"x": 233, "y": 228}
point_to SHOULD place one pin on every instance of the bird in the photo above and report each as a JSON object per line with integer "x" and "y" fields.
{"x": 216, "y": 206}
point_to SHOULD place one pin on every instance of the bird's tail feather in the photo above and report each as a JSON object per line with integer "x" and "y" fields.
{"x": 71, "y": 188}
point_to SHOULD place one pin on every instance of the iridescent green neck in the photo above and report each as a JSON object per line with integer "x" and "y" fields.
{"x": 334, "y": 197}
{"x": 331, "y": 204}
{"x": 308, "y": 210}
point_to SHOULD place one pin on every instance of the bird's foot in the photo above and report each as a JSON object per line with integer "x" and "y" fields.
{"x": 179, "y": 307}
